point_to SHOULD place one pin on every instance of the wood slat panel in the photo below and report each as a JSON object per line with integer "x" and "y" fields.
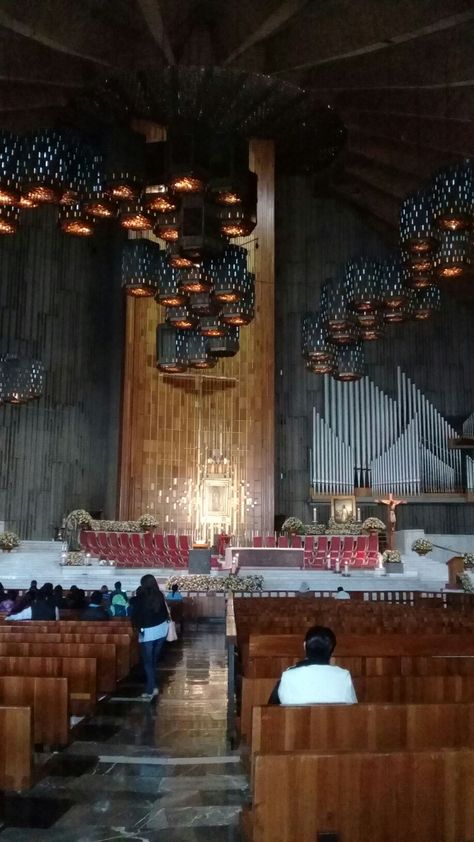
{"x": 16, "y": 747}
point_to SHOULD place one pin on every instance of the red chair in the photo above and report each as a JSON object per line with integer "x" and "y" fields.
{"x": 308, "y": 550}
{"x": 334, "y": 551}
{"x": 373, "y": 550}
{"x": 270, "y": 541}
{"x": 347, "y": 551}
{"x": 160, "y": 550}
{"x": 283, "y": 542}
{"x": 320, "y": 552}
{"x": 296, "y": 542}
{"x": 128, "y": 551}
{"x": 257, "y": 541}
{"x": 173, "y": 551}
{"x": 184, "y": 546}
{"x": 149, "y": 553}
{"x": 360, "y": 551}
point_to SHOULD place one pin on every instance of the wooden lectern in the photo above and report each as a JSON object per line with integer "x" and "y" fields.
{"x": 455, "y": 568}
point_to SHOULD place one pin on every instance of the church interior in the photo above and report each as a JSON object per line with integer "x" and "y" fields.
{"x": 237, "y": 419}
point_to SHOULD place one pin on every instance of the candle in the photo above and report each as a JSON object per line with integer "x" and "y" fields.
{"x": 315, "y": 515}
{"x": 358, "y": 514}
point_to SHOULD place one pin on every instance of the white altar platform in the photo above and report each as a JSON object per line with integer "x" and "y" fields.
{"x": 41, "y": 560}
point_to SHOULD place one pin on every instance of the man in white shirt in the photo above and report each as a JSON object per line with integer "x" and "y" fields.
{"x": 314, "y": 680}
{"x": 341, "y": 593}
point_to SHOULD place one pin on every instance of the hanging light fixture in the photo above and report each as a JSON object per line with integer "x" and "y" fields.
{"x": 197, "y": 353}
{"x": 362, "y": 285}
{"x": 225, "y": 345}
{"x": 425, "y": 302}
{"x": 203, "y": 303}
{"x": 21, "y": 379}
{"x": 181, "y": 317}
{"x": 394, "y": 292}
{"x": 454, "y": 257}
{"x": 212, "y": 326}
{"x": 158, "y": 198}
{"x": 171, "y": 349}
{"x": 198, "y": 233}
{"x": 44, "y": 173}
{"x": 97, "y": 202}
{"x": 316, "y": 367}
{"x": 178, "y": 260}
{"x": 417, "y": 228}
{"x": 453, "y": 197}
{"x": 349, "y": 363}
{"x": 242, "y": 311}
{"x": 168, "y": 294}
{"x": 73, "y": 219}
{"x": 10, "y": 153}
{"x": 228, "y": 274}
{"x": 418, "y": 272}
{"x": 336, "y": 316}
{"x": 370, "y": 326}
{"x": 197, "y": 279}
{"x": 166, "y": 227}
{"x": 315, "y": 345}
{"x": 140, "y": 268}
{"x": 134, "y": 217}
{"x": 80, "y": 167}
{"x": 187, "y": 152}
{"x": 124, "y": 161}
{"x": 9, "y": 219}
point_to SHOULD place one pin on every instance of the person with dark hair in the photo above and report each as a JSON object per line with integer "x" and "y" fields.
{"x": 36, "y": 605}
{"x": 341, "y": 593}
{"x": 314, "y": 680}
{"x": 118, "y": 589}
{"x": 96, "y": 609}
{"x": 33, "y": 585}
{"x": 174, "y": 593}
{"x": 76, "y": 598}
{"x": 8, "y": 601}
{"x": 59, "y": 599}
{"x": 106, "y": 596}
{"x": 150, "y": 616}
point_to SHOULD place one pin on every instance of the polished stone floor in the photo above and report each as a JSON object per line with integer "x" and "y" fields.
{"x": 159, "y": 772}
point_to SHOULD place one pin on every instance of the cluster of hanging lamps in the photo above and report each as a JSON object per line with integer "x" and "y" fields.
{"x": 21, "y": 379}
{"x": 193, "y": 191}
{"x": 192, "y": 304}
{"x": 436, "y": 227}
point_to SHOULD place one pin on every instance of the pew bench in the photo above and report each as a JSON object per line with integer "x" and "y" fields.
{"x": 48, "y": 699}
{"x": 103, "y": 653}
{"x": 16, "y": 747}
{"x": 80, "y": 672}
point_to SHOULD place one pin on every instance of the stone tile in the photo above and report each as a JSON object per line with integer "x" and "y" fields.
{"x": 26, "y": 811}
{"x": 193, "y": 817}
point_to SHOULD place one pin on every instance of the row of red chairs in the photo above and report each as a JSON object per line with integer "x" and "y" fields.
{"x": 282, "y": 542}
{"x": 137, "y": 549}
{"x": 325, "y": 553}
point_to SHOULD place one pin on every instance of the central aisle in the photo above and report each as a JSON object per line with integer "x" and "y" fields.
{"x": 145, "y": 772}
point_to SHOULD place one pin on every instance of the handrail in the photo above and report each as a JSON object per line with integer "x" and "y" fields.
{"x": 230, "y": 627}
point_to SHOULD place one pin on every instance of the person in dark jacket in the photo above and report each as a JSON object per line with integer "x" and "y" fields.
{"x": 96, "y": 609}
{"x": 36, "y": 605}
{"x": 76, "y": 598}
{"x": 150, "y": 616}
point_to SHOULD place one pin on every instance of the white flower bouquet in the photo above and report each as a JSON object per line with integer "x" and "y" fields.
{"x": 212, "y": 584}
{"x": 392, "y": 556}
{"x": 373, "y": 524}
{"x": 147, "y": 521}
{"x": 422, "y": 546}
{"x": 9, "y": 540}
{"x": 292, "y": 525}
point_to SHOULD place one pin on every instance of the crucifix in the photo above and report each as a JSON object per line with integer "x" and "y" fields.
{"x": 391, "y": 502}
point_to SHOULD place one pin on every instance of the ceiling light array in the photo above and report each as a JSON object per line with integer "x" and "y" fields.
{"x": 436, "y": 245}
{"x": 205, "y": 305}
{"x": 193, "y": 191}
{"x": 21, "y": 379}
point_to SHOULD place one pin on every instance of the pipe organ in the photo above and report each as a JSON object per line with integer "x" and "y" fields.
{"x": 367, "y": 439}
{"x": 468, "y": 430}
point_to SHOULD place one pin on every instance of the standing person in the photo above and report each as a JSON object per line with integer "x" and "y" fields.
{"x": 341, "y": 593}
{"x": 96, "y": 609}
{"x": 36, "y": 605}
{"x": 106, "y": 595}
{"x": 118, "y": 590}
{"x": 150, "y": 616}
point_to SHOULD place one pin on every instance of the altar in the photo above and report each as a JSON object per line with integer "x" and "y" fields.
{"x": 264, "y": 557}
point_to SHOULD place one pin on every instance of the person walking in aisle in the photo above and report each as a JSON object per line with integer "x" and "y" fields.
{"x": 150, "y": 616}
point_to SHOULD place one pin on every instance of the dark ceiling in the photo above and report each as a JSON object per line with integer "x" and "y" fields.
{"x": 400, "y": 73}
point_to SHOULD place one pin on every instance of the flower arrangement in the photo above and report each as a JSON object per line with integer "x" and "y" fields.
{"x": 77, "y": 519}
{"x": 350, "y": 527}
{"x": 422, "y": 546}
{"x": 466, "y": 582}
{"x": 147, "y": 521}
{"x": 391, "y": 556}
{"x": 314, "y": 528}
{"x": 212, "y": 584}
{"x": 373, "y": 524}
{"x": 106, "y": 562}
{"x": 292, "y": 525}
{"x": 8, "y": 541}
{"x": 468, "y": 561}
{"x": 115, "y": 526}
{"x": 76, "y": 559}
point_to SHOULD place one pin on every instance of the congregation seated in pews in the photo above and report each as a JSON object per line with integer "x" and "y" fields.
{"x": 393, "y": 767}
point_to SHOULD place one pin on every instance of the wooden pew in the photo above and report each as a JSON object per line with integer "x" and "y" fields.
{"x": 361, "y": 665}
{"x": 16, "y": 747}
{"x": 122, "y": 644}
{"x": 365, "y": 644}
{"x": 363, "y": 797}
{"x": 80, "y": 672}
{"x": 49, "y": 702}
{"x": 383, "y": 689}
{"x": 104, "y": 653}
{"x": 362, "y": 727}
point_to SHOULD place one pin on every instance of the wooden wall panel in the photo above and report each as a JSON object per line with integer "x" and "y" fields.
{"x": 314, "y": 239}
{"x": 171, "y": 425}
{"x": 59, "y": 302}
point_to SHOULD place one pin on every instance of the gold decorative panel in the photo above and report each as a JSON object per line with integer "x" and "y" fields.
{"x": 198, "y": 449}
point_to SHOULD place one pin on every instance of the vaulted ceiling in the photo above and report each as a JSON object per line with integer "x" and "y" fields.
{"x": 398, "y": 72}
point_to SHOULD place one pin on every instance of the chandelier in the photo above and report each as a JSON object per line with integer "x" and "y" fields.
{"x": 21, "y": 380}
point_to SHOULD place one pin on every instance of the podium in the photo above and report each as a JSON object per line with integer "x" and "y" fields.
{"x": 455, "y": 568}
{"x": 199, "y": 561}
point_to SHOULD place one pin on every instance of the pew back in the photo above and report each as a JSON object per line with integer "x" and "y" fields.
{"x": 104, "y": 653}
{"x": 80, "y": 672}
{"x": 16, "y": 747}
{"x": 48, "y": 699}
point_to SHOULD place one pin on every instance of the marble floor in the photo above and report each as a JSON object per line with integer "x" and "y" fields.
{"x": 146, "y": 772}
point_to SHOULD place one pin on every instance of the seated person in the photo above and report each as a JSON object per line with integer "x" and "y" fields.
{"x": 76, "y": 598}
{"x": 118, "y": 590}
{"x": 96, "y": 609}
{"x": 36, "y": 605}
{"x": 341, "y": 593}
{"x": 314, "y": 680}
{"x": 119, "y": 605}
{"x": 174, "y": 593}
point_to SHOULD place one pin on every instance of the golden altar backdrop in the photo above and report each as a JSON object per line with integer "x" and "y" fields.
{"x": 197, "y": 450}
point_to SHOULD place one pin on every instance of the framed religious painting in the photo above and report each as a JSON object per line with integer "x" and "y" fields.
{"x": 343, "y": 509}
{"x": 216, "y": 500}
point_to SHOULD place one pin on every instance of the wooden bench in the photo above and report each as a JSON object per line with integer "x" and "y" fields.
{"x": 104, "y": 653}
{"x": 362, "y": 797}
{"x": 80, "y": 672}
{"x": 366, "y": 644}
{"x": 383, "y": 689}
{"x": 272, "y": 667}
{"x": 16, "y": 747}
{"x": 122, "y": 644}
{"x": 49, "y": 702}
